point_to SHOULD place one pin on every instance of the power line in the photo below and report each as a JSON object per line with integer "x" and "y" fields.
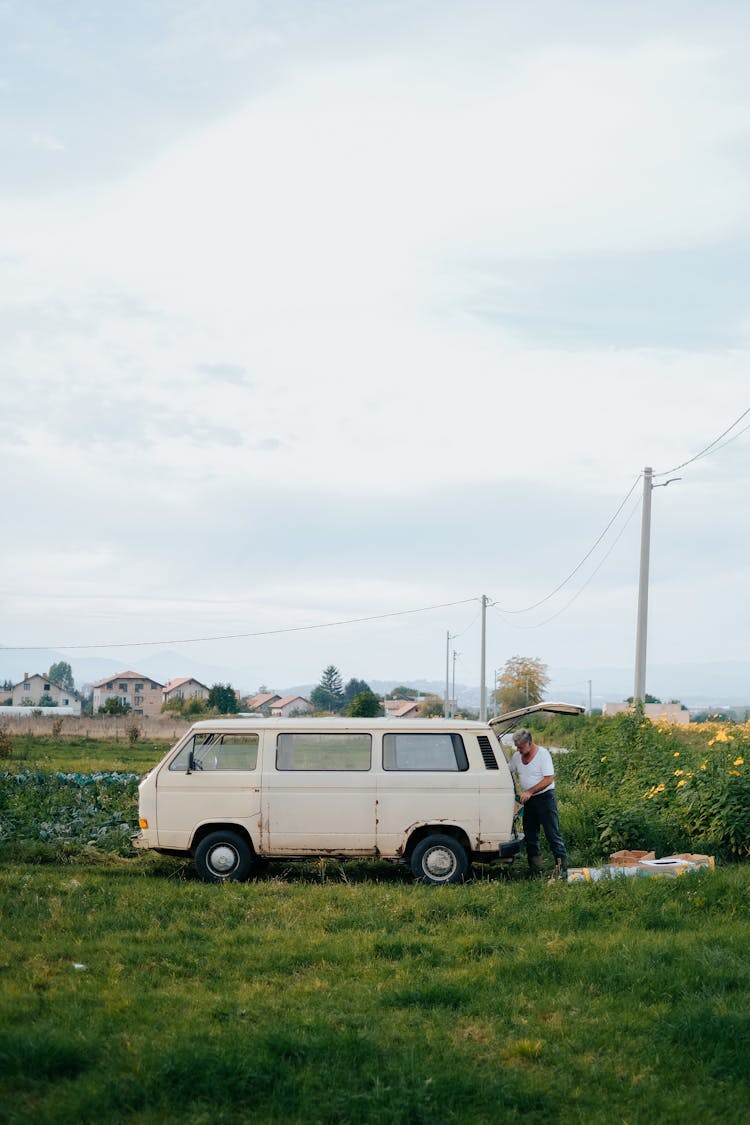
{"x": 594, "y": 572}
{"x": 240, "y": 636}
{"x": 712, "y": 447}
{"x": 588, "y": 554}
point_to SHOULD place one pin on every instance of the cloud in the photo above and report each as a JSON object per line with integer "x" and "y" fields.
{"x": 410, "y": 303}
{"x": 228, "y": 372}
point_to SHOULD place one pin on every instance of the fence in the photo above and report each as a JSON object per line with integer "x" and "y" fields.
{"x": 164, "y": 727}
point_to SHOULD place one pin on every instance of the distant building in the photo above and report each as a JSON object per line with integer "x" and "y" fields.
{"x": 264, "y": 701}
{"x": 401, "y": 708}
{"x": 407, "y": 709}
{"x": 184, "y": 688}
{"x": 143, "y": 694}
{"x": 30, "y": 689}
{"x": 666, "y": 712}
{"x": 290, "y": 704}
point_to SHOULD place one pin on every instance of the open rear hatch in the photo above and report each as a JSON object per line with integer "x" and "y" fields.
{"x": 503, "y": 724}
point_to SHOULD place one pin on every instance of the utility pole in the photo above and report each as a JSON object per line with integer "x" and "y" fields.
{"x": 453, "y": 684}
{"x": 482, "y": 661}
{"x": 447, "y": 671}
{"x": 639, "y": 692}
{"x": 589, "y": 683}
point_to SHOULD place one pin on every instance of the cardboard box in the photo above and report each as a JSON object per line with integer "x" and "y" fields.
{"x": 629, "y": 859}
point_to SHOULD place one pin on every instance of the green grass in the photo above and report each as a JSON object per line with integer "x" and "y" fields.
{"x": 344, "y": 993}
{"x": 82, "y": 754}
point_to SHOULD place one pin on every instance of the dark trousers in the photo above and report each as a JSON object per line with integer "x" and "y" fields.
{"x": 541, "y": 812}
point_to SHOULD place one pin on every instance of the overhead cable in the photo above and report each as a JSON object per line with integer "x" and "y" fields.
{"x": 595, "y": 571}
{"x": 547, "y": 597}
{"x": 239, "y": 636}
{"x": 712, "y": 446}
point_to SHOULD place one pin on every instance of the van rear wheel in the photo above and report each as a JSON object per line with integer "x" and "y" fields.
{"x": 223, "y": 857}
{"x": 439, "y": 859}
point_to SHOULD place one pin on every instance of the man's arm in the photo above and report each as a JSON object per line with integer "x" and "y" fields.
{"x": 540, "y": 785}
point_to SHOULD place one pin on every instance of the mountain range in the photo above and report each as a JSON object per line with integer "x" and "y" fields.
{"x": 718, "y": 684}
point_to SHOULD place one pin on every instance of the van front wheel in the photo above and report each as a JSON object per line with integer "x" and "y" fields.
{"x": 439, "y": 859}
{"x": 223, "y": 857}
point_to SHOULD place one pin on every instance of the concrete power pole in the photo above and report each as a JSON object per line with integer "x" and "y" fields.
{"x": 447, "y": 667}
{"x": 639, "y": 692}
{"x": 482, "y": 662}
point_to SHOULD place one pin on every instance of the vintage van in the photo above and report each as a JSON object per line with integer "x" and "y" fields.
{"x": 433, "y": 793}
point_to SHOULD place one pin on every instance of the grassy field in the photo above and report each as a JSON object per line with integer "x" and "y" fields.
{"x": 336, "y": 993}
{"x": 130, "y": 992}
{"x": 82, "y": 754}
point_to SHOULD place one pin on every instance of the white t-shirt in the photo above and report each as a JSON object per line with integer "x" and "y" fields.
{"x": 531, "y": 774}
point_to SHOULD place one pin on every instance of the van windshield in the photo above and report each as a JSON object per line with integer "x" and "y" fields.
{"x": 218, "y": 752}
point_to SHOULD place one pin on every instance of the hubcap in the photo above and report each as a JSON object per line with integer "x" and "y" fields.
{"x": 223, "y": 859}
{"x": 440, "y": 863}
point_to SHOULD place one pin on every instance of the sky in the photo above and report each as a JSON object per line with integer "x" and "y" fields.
{"x": 316, "y": 312}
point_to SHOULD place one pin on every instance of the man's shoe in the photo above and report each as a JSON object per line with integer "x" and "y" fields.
{"x": 560, "y": 874}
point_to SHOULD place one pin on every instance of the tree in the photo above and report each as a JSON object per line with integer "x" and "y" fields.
{"x": 403, "y": 693}
{"x": 188, "y": 708}
{"x": 648, "y": 699}
{"x": 431, "y": 706}
{"x": 46, "y": 700}
{"x": 523, "y": 682}
{"x": 62, "y": 675}
{"x": 222, "y": 698}
{"x": 329, "y": 694}
{"x": 355, "y": 688}
{"x": 365, "y": 705}
{"x": 115, "y": 706}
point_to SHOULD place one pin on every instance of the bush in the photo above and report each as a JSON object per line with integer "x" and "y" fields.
{"x": 6, "y": 742}
{"x": 660, "y": 787}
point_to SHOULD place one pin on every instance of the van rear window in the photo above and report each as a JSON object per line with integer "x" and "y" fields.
{"x": 323, "y": 751}
{"x": 429, "y": 751}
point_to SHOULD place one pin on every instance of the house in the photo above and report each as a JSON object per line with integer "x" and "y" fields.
{"x": 407, "y": 709}
{"x": 184, "y": 688}
{"x": 30, "y": 690}
{"x": 402, "y": 708}
{"x": 264, "y": 701}
{"x": 143, "y": 694}
{"x": 664, "y": 712}
{"x": 290, "y": 705}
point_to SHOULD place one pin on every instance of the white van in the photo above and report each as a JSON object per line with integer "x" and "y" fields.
{"x": 433, "y": 793}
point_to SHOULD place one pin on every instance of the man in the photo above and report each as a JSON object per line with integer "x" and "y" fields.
{"x": 533, "y": 767}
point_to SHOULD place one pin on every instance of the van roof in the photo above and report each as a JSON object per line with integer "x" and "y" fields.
{"x": 336, "y": 722}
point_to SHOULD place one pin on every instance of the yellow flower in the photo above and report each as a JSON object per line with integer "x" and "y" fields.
{"x": 676, "y": 754}
{"x": 738, "y": 762}
{"x": 681, "y": 783}
{"x": 704, "y": 766}
{"x": 678, "y": 773}
{"x": 603, "y": 758}
{"x": 659, "y": 788}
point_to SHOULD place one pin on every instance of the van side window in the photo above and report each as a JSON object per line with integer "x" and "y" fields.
{"x": 424, "y": 752}
{"x": 323, "y": 751}
{"x": 219, "y": 752}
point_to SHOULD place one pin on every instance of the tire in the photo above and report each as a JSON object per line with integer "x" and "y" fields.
{"x": 224, "y": 857}
{"x": 439, "y": 859}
